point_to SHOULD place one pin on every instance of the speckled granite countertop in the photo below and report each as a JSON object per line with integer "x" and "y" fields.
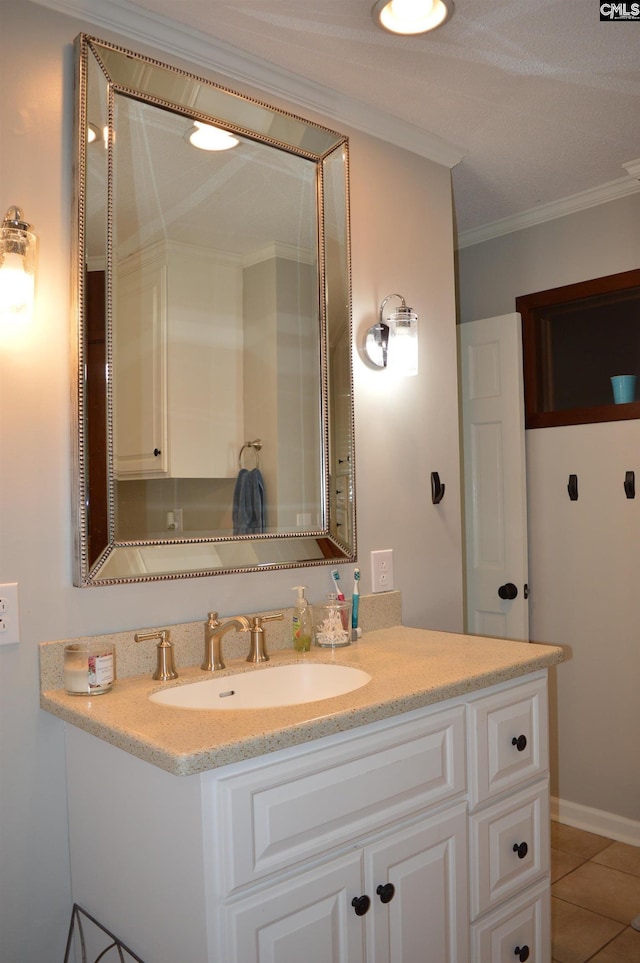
{"x": 410, "y": 668}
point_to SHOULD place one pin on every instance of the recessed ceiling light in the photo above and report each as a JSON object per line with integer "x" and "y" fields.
{"x": 412, "y": 16}
{"x": 209, "y": 137}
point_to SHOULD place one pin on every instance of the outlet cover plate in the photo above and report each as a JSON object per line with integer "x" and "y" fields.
{"x": 382, "y": 570}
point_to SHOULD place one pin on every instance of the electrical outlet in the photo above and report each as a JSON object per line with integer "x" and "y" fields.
{"x": 174, "y": 520}
{"x": 382, "y": 570}
{"x": 9, "y": 616}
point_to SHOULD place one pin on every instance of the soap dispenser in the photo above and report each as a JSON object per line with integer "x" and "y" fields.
{"x": 301, "y": 622}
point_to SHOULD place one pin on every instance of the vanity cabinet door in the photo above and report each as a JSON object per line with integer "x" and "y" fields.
{"x": 306, "y": 919}
{"x": 417, "y": 881}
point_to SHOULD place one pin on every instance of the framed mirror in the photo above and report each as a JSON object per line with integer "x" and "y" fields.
{"x": 214, "y": 414}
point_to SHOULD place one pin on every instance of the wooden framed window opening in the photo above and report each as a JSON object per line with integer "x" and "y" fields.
{"x": 575, "y": 338}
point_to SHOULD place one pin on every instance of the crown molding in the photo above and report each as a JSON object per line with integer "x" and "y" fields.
{"x": 621, "y": 187}
{"x": 174, "y": 38}
{"x": 632, "y": 167}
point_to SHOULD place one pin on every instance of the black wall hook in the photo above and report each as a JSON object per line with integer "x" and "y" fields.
{"x": 437, "y": 488}
{"x": 630, "y": 484}
{"x": 572, "y": 488}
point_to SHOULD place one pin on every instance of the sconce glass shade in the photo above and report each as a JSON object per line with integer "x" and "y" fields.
{"x": 403, "y": 358}
{"x": 410, "y": 17}
{"x": 393, "y": 344}
{"x": 17, "y": 267}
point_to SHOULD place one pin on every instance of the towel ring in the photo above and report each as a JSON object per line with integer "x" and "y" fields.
{"x": 256, "y": 445}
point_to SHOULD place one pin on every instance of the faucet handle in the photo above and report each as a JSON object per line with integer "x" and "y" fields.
{"x": 259, "y": 619}
{"x": 258, "y": 650}
{"x": 165, "y": 666}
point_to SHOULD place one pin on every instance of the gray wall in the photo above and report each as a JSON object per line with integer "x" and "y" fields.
{"x": 389, "y": 186}
{"x": 590, "y": 244}
{"x": 584, "y": 556}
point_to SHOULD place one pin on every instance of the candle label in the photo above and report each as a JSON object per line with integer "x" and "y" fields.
{"x": 100, "y": 671}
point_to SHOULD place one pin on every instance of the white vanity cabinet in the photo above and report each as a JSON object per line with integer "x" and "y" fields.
{"x": 368, "y": 846}
{"x": 177, "y": 349}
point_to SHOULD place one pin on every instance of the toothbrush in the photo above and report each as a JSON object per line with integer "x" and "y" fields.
{"x": 355, "y": 600}
{"x": 335, "y": 578}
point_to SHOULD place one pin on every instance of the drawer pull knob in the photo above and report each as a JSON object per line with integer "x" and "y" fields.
{"x": 521, "y": 849}
{"x": 361, "y": 904}
{"x": 386, "y": 892}
{"x": 520, "y": 743}
{"x": 522, "y": 952}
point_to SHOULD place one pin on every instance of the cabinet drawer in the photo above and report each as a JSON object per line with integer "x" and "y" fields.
{"x": 508, "y": 740}
{"x": 519, "y": 930}
{"x": 288, "y": 811}
{"x": 508, "y": 847}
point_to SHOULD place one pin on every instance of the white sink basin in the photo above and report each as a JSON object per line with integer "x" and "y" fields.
{"x": 282, "y": 685}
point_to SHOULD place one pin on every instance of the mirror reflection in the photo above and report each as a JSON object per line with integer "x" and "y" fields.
{"x": 216, "y": 413}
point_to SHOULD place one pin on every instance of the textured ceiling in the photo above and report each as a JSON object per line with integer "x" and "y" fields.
{"x": 542, "y": 98}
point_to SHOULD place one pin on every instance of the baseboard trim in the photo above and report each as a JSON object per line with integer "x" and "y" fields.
{"x": 597, "y": 821}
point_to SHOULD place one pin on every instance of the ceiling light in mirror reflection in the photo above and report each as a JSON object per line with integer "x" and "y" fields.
{"x": 208, "y": 137}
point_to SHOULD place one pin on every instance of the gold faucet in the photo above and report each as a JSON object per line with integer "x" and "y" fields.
{"x": 214, "y": 629}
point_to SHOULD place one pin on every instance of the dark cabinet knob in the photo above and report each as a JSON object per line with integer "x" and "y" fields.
{"x": 156, "y": 452}
{"x": 361, "y": 904}
{"x": 520, "y": 743}
{"x": 508, "y": 591}
{"x": 521, "y": 849}
{"x": 386, "y": 892}
{"x": 522, "y": 952}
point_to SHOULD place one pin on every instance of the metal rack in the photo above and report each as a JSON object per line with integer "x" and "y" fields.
{"x": 94, "y": 938}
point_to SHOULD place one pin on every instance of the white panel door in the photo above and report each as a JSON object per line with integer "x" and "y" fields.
{"x": 494, "y": 477}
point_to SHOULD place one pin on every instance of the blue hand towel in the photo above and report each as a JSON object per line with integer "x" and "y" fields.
{"x": 248, "y": 503}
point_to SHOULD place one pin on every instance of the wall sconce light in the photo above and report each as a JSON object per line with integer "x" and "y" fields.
{"x": 409, "y": 17}
{"x": 17, "y": 267}
{"x": 393, "y": 344}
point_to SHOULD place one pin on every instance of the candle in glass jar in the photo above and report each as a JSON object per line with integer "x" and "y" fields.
{"x": 88, "y": 667}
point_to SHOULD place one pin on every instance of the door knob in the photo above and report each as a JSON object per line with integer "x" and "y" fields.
{"x": 508, "y": 591}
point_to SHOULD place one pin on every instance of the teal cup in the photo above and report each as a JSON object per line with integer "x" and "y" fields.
{"x": 624, "y": 388}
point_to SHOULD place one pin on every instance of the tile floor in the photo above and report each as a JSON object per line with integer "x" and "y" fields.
{"x": 595, "y": 894}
